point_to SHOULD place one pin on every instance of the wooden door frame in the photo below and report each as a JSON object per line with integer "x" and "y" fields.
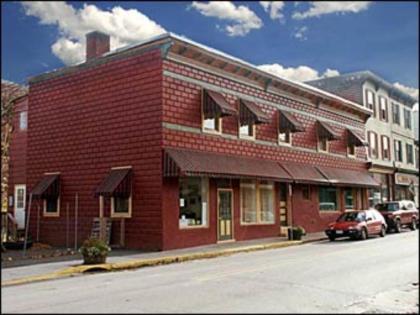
{"x": 231, "y": 213}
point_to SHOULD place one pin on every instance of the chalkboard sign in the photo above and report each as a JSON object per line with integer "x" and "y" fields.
{"x": 96, "y": 228}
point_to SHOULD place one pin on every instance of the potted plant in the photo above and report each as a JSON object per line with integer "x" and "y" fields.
{"x": 94, "y": 251}
{"x": 296, "y": 232}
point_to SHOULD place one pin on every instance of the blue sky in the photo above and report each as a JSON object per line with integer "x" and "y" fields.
{"x": 299, "y": 40}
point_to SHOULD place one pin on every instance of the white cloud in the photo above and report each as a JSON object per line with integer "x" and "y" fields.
{"x": 300, "y": 73}
{"x": 243, "y": 19}
{"x": 413, "y": 92}
{"x": 300, "y": 33}
{"x": 124, "y": 26}
{"x": 273, "y": 8}
{"x": 318, "y": 8}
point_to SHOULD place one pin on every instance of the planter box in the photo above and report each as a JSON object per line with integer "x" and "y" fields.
{"x": 94, "y": 260}
{"x": 297, "y": 235}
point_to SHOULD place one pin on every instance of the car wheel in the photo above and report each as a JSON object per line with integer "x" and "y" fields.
{"x": 397, "y": 226}
{"x": 363, "y": 234}
{"x": 413, "y": 224}
{"x": 383, "y": 231}
{"x": 331, "y": 238}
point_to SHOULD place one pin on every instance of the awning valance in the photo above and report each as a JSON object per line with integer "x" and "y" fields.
{"x": 342, "y": 177}
{"x": 49, "y": 185}
{"x": 181, "y": 162}
{"x": 250, "y": 113}
{"x": 288, "y": 122}
{"x": 353, "y": 138}
{"x": 117, "y": 183}
{"x": 325, "y": 131}
{"x": 303, "y": 173}
{"x": 215, "y": 104}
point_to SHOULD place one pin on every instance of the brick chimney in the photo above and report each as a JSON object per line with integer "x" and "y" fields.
{"x": 97, "y": 44}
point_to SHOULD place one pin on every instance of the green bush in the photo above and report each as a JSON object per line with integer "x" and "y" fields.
{"x": 93, "y": 247}
{"x": 297, "y": 231}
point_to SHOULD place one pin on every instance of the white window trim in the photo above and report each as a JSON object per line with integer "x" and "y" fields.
{"x": 26, "y": 121}
{"x": 246, "y": 137}
{"x": 119, "y": 214}
{"x": 353, "y": 156}
{"x": 319, "y": 146}
{"x": 287, "y": 144}
{"x": 51, "y": 214}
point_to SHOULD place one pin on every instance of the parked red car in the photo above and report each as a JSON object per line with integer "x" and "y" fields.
{"x": 399, "y": 214}
{"x": 357, "y": 224}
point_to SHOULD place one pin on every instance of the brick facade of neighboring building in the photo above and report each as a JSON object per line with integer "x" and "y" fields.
{"x": 127, "y": 108}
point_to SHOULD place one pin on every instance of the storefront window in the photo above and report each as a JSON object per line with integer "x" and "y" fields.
{"x": 349, "y": 199}
{"x": 257, "y": 201}
{"x": 374, "y": 197}
{"x": 328, "y": 199}
{"x": 193, "y": 203}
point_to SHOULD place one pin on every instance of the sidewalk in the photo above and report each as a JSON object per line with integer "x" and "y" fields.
{"x": 129, "y": 260}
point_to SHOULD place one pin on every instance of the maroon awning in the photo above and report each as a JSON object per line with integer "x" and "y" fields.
{"x": 353, "y": 138}
{"x": 304, "y": 173}
{"x": 215, "y": 104}
{"x": 325, "y": 131}
{"x": 181, "y": 162}
{"x": 343, "y": 177}
{"x": 49, "y": 185}
{"x": 250, "y": 113}
{"x": 288, "y": 122}
{"x": 117, "y": 183}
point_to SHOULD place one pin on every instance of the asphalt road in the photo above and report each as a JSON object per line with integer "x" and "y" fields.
{"x": 379, "y": 275}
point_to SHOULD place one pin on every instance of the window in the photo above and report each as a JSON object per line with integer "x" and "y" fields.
{"x": 247, "y": 131}
{"x": 416, "y": 156}
{"x": 306, "y": 192}
{"x": 328, "y": 199}
{"x": 193, "y": 201}
{"x": 285, "y": 137}
{"x": 407, "y": 118}
{"x": 385, "y": 148}
{"x": 398, "y": 150}
{"x": 349, "y": 199}
{"x": 323, "y": 144}
{"x": 121, "y": 206}
{"x": 370, "y": 101}
{"x": 373, "y": 145}
{"x": 212, "y": 123}
{"x": 20, "y": 197}
{"x": 257, "y": 202}
{"x": 52, "y": 206}
{"x": 409, "y": 150}
{"x": 383, "y": 113}
{"x": 23, "y": 120}
{"x": 396, "y": 113}
{"x": 351, "y": 150}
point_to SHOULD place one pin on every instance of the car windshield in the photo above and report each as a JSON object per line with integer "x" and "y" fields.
{"x": 351, "y": 217}
{"x": 387, "y": 206}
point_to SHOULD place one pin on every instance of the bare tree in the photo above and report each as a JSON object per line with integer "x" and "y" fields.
{"x": 10, "y": 92}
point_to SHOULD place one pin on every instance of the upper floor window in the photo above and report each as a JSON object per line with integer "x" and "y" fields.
{"x": 23, "y": 120}
{"x": 407, "y": 118}
{"x": 396, "y": 113}
{"x": 214, "y": 108}
{"x": 386, "y": 155}
{"x": 285, "y": 137}
{"x": 213, "y": 123}
{"x": 370, "y": 101}
{"x": 250, "y": 115}
{"x": 288, "y": 124}
{"x": 383, "y": 113}
{"x": 398, "y": 150}
{"x": 247, "y": 131}
{"x": 373, "y": 144}
{"x": 409, "y": 151}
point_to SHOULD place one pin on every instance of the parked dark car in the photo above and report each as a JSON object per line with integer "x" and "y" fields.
{"x": 357, "y": 224}
{"x": 399, "y": 214}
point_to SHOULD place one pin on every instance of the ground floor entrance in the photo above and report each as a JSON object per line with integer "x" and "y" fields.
{"x": 225, "y": 214}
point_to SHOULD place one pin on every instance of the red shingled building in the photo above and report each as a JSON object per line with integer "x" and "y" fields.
{"x": 182, "y": 145}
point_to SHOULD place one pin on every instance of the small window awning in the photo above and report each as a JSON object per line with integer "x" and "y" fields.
{"x": 181, "y": 162}
{"x": 325, "y": 131}
{"x": 49, "y": 185}
{"x": 117, "y": 183}
{"x": 342, "y": 177}
{"x": 288, "y": 122}
{"x": 304, "y": 173}
{"x": 250, "y": 113}
{"x": 215, "y": 104}
{"x": 353, "y": 138}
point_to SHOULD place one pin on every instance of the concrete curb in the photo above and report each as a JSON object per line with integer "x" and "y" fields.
{"x": 140, "y": 263}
